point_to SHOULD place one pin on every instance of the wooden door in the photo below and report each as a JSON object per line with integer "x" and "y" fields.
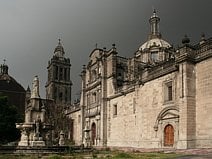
{"x": 169, "y": 135}
{"x": 93, "y": 133}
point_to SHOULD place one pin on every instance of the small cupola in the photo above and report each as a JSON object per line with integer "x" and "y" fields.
{"x": 4, "y": 68}
{"x": 154, "y": 26}
{"x": 59, "y": 51}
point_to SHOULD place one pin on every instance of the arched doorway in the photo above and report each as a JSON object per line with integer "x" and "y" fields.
{"x": 93, "y": 133}
{"x": 168, "y": 135}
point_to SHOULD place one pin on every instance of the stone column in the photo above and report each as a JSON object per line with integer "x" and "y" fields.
{"x": 187, "y": 106}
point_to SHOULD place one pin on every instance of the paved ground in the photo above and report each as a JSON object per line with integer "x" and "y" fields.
{"x": 207, "y": 156}
{"x": 189, "y": 153}
{"x": 195, "y": 153}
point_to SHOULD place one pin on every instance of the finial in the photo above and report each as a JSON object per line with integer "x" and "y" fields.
{"x": 203, "y": 36}
{"x": 185, "y": 40}
{"x": 104, "y": 49}
{"x": 28, "y": 89}
{"x": 154, "y": 11}
{"x": 96, "y": 45}
{"x": 114, "y": 47}
{"x": 4, "y": 61}
{"x": 83, "y": 70}
{"x": 202, "y": 40}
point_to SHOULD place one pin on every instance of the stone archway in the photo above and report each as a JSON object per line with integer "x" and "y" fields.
{"x": 93, "y": 133}
{"x": 168, "y": 135}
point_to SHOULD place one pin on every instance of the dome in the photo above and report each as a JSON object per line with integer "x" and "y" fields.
{"x": 13, "y": 90}
{"x": 7, "y": 83}
{"x": 156, "y": 42}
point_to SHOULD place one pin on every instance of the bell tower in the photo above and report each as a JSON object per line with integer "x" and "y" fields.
{"x": 58, "y": 86}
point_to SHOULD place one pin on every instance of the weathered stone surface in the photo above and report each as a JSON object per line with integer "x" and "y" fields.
{"x": 160, "y": 98}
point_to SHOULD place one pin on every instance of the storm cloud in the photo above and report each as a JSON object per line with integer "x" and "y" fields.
{"x": 30, "y": 30}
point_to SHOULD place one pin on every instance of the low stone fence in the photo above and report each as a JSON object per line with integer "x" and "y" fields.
{"x": 42, "y": 150}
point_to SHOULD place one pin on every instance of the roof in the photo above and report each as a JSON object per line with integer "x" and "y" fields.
{"x": 7, "y": 83}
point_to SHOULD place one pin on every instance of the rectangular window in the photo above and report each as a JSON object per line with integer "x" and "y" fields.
{"x": 168, "y": 94}
{"x": 154, "y": 56}
{"x": 115, "y": 110}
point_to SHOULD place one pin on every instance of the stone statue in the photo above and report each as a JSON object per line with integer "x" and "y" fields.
{"x": 62, "y": 139}
{"x": 37, "y": 125}
{"x": 35, "y": 88}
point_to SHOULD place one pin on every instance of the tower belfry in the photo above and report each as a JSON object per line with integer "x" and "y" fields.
{"x": 58, "y": 86}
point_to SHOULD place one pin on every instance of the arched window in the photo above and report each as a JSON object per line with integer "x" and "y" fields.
{"x": 94, "y": 97}
{"x": 66, "y": 94}
{"x": 55, "y": 93}
{"x": 61, "y": 96}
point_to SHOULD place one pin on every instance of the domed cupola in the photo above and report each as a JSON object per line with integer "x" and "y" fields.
{"x": 59, "y": 51}
{"x": 155, "y": 37}
{"x": 4, "y": 68}
{"x": 153, "y": 50}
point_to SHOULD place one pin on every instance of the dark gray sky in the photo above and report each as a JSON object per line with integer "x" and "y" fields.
{"x": 30, "y": 30}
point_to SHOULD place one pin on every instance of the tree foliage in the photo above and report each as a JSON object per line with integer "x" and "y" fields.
{"x": 8, "y": 117}
{"x": 56, "y": 117}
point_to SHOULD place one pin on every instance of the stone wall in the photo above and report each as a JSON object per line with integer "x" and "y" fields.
{"x": 137, "y": 113}
{"x": 204, "y": 104}
{"x": 76, "y": 129}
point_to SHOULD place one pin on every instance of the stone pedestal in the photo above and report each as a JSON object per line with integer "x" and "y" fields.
{"x": 34, "y": 129}
{"x": 37, "y": 143}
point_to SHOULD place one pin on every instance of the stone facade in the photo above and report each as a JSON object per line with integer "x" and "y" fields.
{"x": 159, "y": 98}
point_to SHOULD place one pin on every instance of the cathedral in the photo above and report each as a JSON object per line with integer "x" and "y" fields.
{"x": 158, "y": 98}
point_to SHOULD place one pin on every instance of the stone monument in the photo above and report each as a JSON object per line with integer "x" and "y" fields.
{"x": 62, "y": 139}
{"x": 34, "y": 130}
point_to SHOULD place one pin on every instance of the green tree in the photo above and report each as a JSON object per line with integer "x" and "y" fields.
{"x": 8, "y": 117}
